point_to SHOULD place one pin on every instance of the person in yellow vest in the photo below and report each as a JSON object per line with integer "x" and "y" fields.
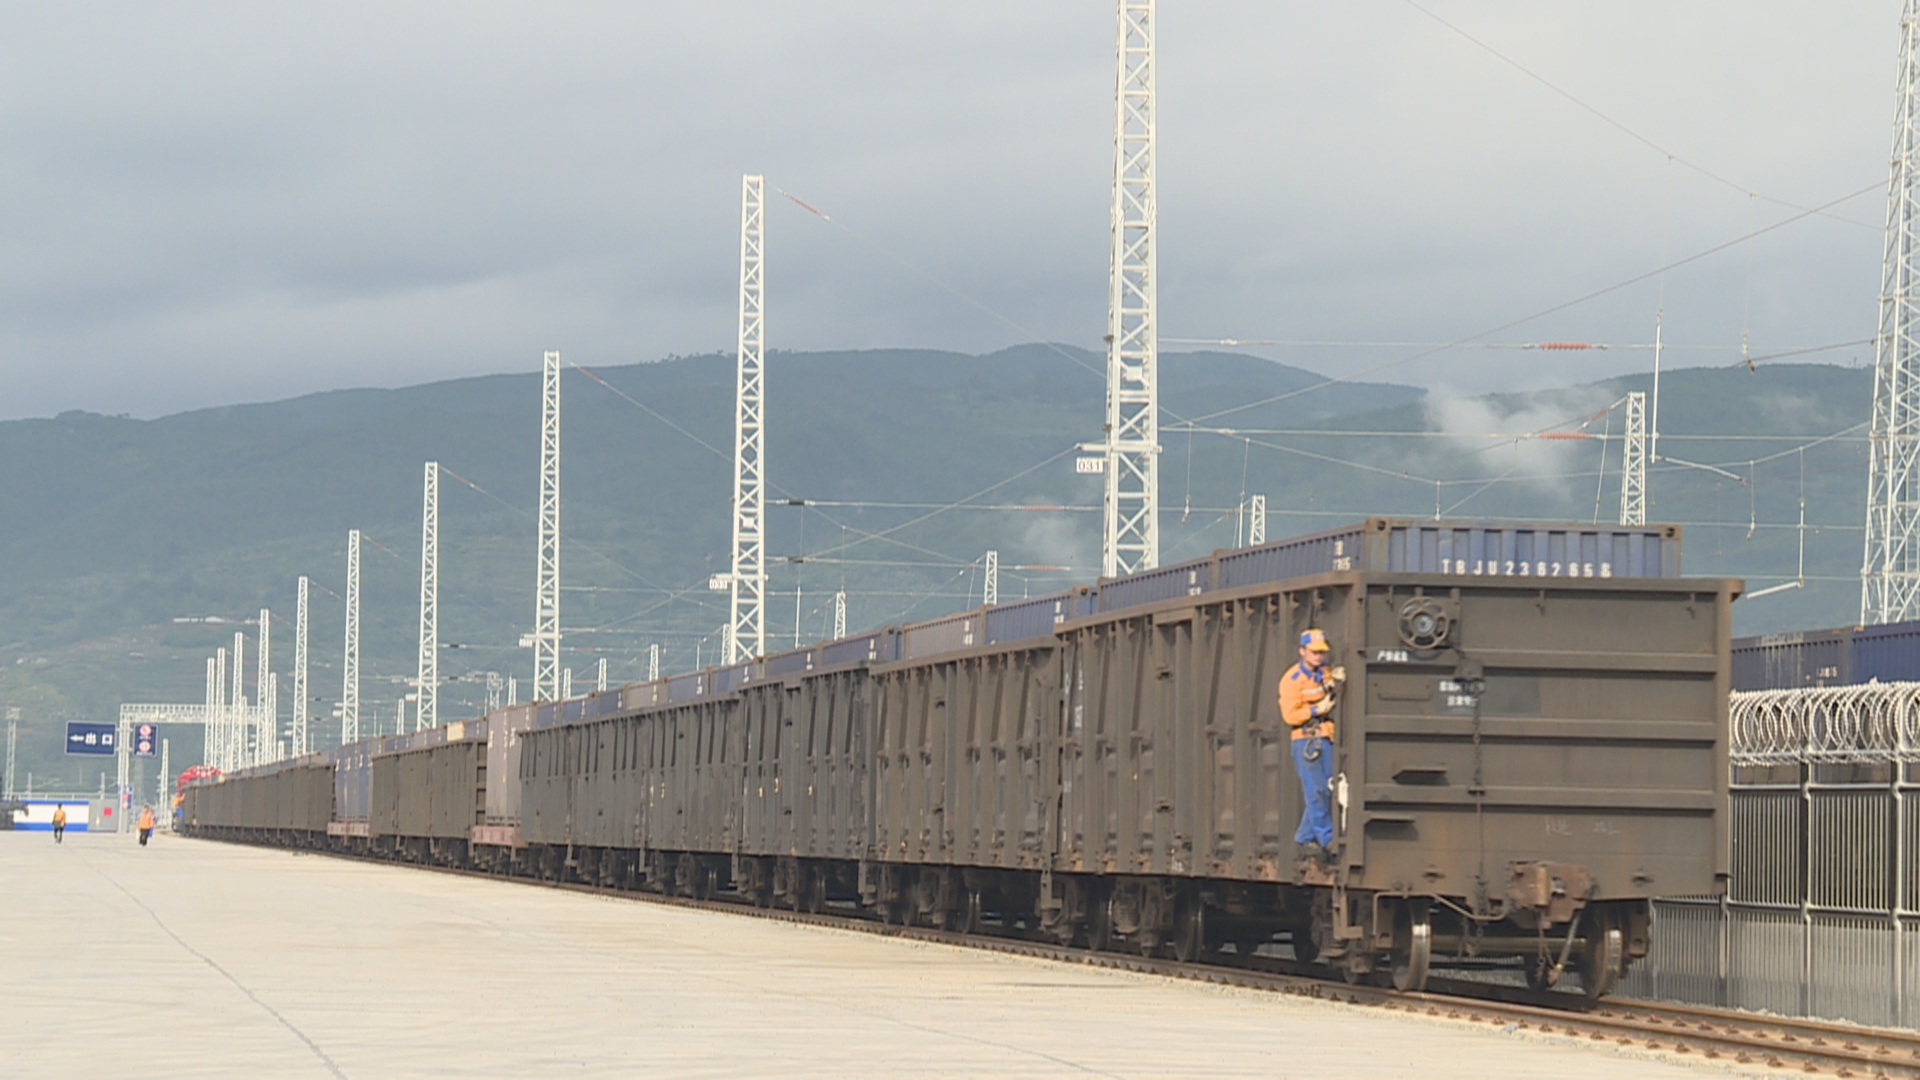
{"x": 146, "y": 824}
{"x": 1307, "y": 694}
{"x": 59, "y": 822}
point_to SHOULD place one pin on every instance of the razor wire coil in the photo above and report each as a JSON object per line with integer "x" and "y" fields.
{"x": 1873, "y": 722}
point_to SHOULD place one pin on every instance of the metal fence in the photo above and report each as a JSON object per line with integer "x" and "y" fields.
{"x": 1822, "y": 916}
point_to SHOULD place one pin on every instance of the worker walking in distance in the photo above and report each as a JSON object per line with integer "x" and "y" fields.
{"x": 59, "y": 822}
{"x": 146, "y": 824}
{"x": 1308, "y": 692}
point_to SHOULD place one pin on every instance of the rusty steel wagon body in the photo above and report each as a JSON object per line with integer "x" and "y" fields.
{"x": 1530, "y": 746}
{"x": 289, "y": 805}
{"x": 1521, "y": 767}
{"x": 428, "y": 791}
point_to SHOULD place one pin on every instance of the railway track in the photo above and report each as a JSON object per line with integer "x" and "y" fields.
{"x": 1722, "y": 1036}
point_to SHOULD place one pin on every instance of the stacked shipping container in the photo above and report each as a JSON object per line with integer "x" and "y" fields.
{"x": 1843, "y": 656}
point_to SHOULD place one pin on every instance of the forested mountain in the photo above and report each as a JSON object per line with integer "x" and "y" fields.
{"x": 117, "y": 529}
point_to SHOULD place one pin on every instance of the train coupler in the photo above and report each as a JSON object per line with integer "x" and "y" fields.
{"x": 1551, "y": 892}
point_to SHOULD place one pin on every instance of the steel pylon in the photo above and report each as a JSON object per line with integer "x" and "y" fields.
{"x": 266, "y": 738}
{"x": 300, "y": 671}
{"x": 1131, "y": 539}
{"x": 1890, "y": 571}
{"x": 350, "y": 656}
{"x": 1633, "y": 462}
{"x": 426, "y": 712}
{"x": 546, "y": 588}
{"x": 747, "y": 579}
{"x": 237, "y": 706}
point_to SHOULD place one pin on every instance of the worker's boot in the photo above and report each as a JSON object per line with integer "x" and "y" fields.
{"x": 1310, "y": 866}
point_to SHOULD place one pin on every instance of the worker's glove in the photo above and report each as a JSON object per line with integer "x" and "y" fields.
{"x": 1324, "y": 707}
{"x": 1336, "y": 677}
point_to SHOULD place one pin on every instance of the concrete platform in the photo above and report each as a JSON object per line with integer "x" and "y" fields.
{"x": 190, "y": 958}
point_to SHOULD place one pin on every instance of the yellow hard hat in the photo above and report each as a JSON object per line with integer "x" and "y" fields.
{"x": 1315, "y": 641}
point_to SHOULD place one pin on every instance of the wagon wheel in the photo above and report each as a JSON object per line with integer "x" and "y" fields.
{"x": 966, "y": 919}
{"x": 1600, "y": 961}
{"x": 1146, "y": 942}
{"x": 1190, "y": 929}
{"x": 1412, "y": 946}
{"x": 1305, "y": 948}
{"x": 1100, "y": 922}
{"x": 930, "y": 898}
{"x": 817, "y": 891}
{"x": 797, "y": 889}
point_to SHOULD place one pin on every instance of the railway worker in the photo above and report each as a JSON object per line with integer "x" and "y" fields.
{"x": 146, "y": 824}
{"x": 59, "y": 822}
{"x": 1308, "y": 692}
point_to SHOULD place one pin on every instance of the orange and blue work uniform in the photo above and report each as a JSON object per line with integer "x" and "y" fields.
{"x": 1305, "y": 704}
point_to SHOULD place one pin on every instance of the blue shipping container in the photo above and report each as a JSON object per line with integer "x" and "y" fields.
{"x": 687, "y": 687}
{"x": 1470, "y": 548}
{"x": 878, "y": 647}
{"x": 643, "y": 695}
{"x": 1793, "y": 661}
{"x": 950, "y": 634}
{"x": 724, "y": 680}
{"x": 1886, "y": 653}
{"x": 1189, "y": 578}
{"x": 1037, "y": 617}
{"x": 788, "y": 663}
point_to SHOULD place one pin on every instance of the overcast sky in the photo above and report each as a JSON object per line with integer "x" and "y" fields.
{"x": 215, "y": 203}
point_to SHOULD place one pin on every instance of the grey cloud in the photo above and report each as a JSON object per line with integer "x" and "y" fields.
{"x": 213, "y": 203}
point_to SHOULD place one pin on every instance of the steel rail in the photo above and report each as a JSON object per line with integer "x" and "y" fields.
{"x": 1688, "y": 1032}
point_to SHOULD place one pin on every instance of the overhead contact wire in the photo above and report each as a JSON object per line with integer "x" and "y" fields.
{"x": 1543, "y": 312}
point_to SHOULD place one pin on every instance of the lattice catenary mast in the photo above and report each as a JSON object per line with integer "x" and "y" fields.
{"x": 1633, "y": 462}
{"x": 546, "y": 588}
{"x": 300, "y": 671}
{"x": 221, "y": 717}
{"x": 427, "y": 712}
{"x": 237, "y": 706}
{"x": 1890, "y": 571}
{"x": 1131, "y": 539}
{"x": 350, "y": 660}
{"x": 210, "y": 751}
{"x": 747, "y": 579}
{"x": 270, "y": 716}
{"x": 266, "y": 738}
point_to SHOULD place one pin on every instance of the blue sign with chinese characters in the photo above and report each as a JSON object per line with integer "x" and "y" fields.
{"x": 87, "y": 738}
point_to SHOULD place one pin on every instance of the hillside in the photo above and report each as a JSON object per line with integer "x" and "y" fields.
{"x": 120, "y": 527}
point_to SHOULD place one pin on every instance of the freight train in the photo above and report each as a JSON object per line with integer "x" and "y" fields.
{"x": 1531, "y": 746}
